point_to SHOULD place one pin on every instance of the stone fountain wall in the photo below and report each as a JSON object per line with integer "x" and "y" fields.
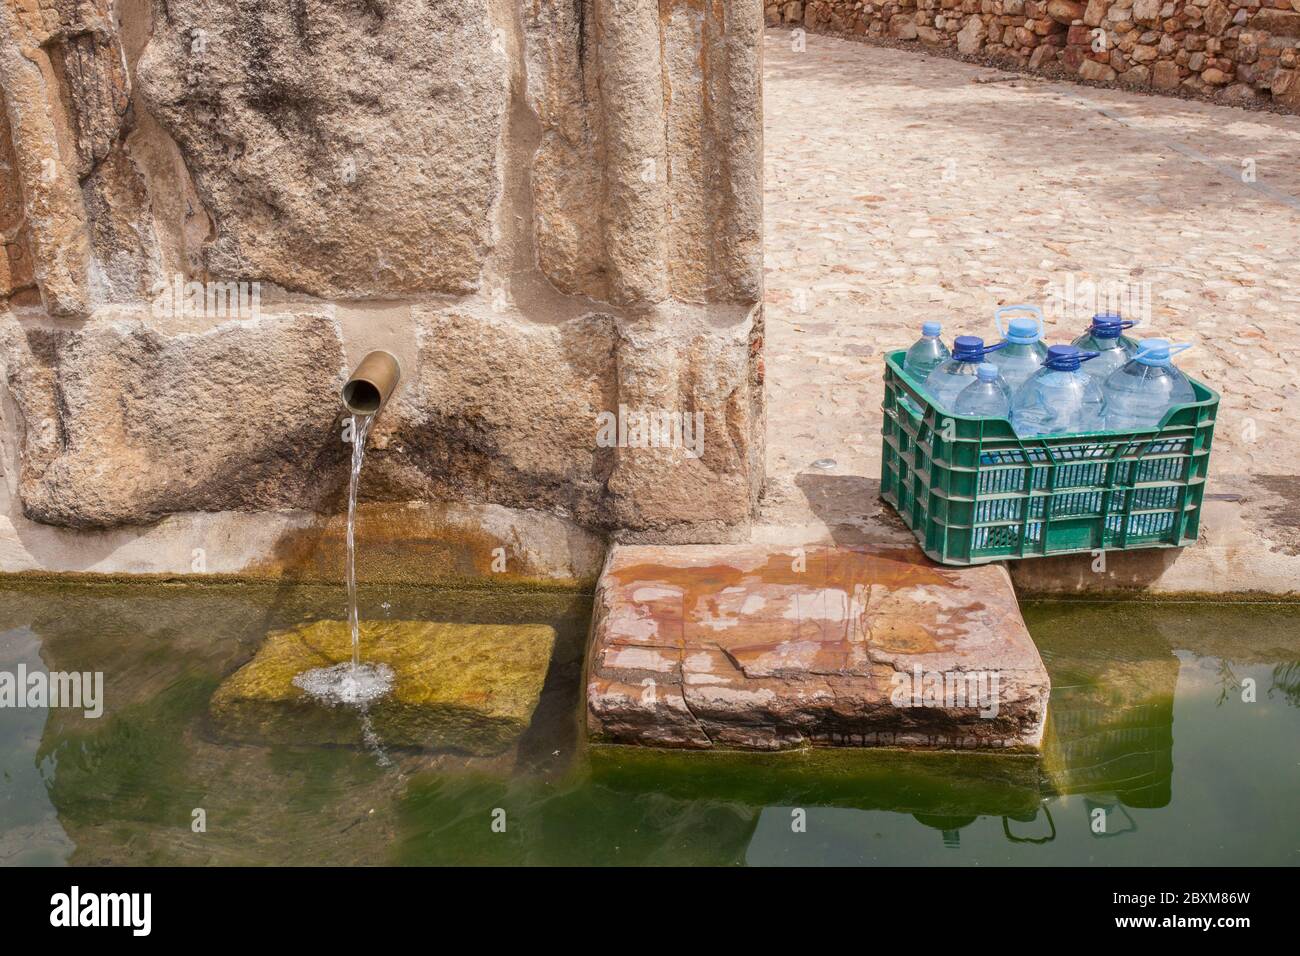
{"x": 549, "y": 211}
{"x": 1237, "y": 51}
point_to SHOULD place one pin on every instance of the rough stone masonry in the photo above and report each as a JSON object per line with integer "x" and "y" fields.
{"x": 1236, "y": 51}
{"x": 548, "y": 210}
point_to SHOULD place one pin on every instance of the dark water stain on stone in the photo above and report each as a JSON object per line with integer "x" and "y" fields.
{"x": 401, "y": 544}
{"x": 1284, "y": 515}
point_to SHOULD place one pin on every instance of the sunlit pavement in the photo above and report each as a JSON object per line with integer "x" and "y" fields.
{"x": 902, "y": 187}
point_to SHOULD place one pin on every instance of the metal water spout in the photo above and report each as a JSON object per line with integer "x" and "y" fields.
{"x": 372, "y": 383}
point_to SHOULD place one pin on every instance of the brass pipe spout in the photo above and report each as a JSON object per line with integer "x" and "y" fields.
{"x": 372, "y": 383}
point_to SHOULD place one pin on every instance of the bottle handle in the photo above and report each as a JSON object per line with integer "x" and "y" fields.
{"x": 999, "y": 312}
{"x": 1175, "y": 349}
{"x": 1086, "y": 356}
{"x": 994, "y": 348}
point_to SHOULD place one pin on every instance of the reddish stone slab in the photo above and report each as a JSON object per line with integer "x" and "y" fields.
{"x": 761, "y": 648}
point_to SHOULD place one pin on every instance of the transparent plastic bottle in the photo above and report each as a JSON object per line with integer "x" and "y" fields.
{"x": 986, "y": 397}
{"x": 927, "y": 353}
{"x": 1025, "y": 351}
{"x": 1105, "y": 337}
{"x": 946, "y": 382}
{"x": 1060, "y": 398}
{"x": 1139, "y": 393}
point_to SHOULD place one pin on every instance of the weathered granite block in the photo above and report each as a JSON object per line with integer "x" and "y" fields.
{"x": 550, "y": 212}
{"x": 466, "y": 687}
{"x": 761, "y": 648}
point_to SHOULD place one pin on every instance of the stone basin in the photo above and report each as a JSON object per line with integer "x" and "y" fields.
{"x": 465, "y": 687}
{"x": 755, "y": 647}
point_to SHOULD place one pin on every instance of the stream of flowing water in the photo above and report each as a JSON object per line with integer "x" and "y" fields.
{"x": 360, "y": 431}
{"x": 351, "y": 683}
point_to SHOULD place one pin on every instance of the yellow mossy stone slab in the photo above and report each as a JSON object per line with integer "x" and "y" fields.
{"x": 467, "y": 687}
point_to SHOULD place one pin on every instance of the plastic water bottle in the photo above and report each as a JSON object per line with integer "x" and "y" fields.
{"x": 1139, "y": 393}
{"x": 1025, "y": 352}
{"x": 946, "y": 382}
{"x": 927, "y": 353}
{"x": 1060, "y": 398}
{"x": 987, "y": 397}
{"x": 1105, "y": 337}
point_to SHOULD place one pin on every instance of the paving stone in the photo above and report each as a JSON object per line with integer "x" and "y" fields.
{"x": 880, "y": 215}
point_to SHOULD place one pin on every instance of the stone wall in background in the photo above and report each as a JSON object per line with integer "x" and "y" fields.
{"x": 548, "y": 210}
{"x": 1237, "y": 51}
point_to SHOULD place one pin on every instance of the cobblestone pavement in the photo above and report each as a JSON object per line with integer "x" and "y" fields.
{"x": 902, "y": 187}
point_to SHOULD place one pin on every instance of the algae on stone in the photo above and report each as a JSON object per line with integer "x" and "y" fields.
{"x": 467, "y": 687}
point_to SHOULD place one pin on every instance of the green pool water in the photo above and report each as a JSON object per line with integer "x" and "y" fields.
{"x": 1152, "y": 755}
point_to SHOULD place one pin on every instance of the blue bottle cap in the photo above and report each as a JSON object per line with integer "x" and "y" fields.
{"x": 987, "y": 372}
{"x": 1154, "y": 347}
{"x": 1157, "y": 351}
{"x": 931, "y": 328}
{"x": 968, "y": 348}
{"x": 1066, "y": 358}
{"x": 1109, "y": 325}
{"x": 1022, "y": 331}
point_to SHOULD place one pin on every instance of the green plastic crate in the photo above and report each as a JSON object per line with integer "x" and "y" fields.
{"x": 973, "y": 492}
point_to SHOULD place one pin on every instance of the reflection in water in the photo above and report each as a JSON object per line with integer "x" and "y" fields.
{"x": 1110, "y": 736}
{"x": 1144, "y": 760}
{"x": 1286, "y": 681}
{"x": 30, "y": 832}
{"x": 1048, "y": 837}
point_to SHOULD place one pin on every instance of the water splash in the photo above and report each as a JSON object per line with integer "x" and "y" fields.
{"x": 348, "y": 684}
{"x": 360, "y": 431}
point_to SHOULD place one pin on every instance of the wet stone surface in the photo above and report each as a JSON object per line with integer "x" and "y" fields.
{"x": 767, "y": 648}
{"x": 466, "y": 687}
